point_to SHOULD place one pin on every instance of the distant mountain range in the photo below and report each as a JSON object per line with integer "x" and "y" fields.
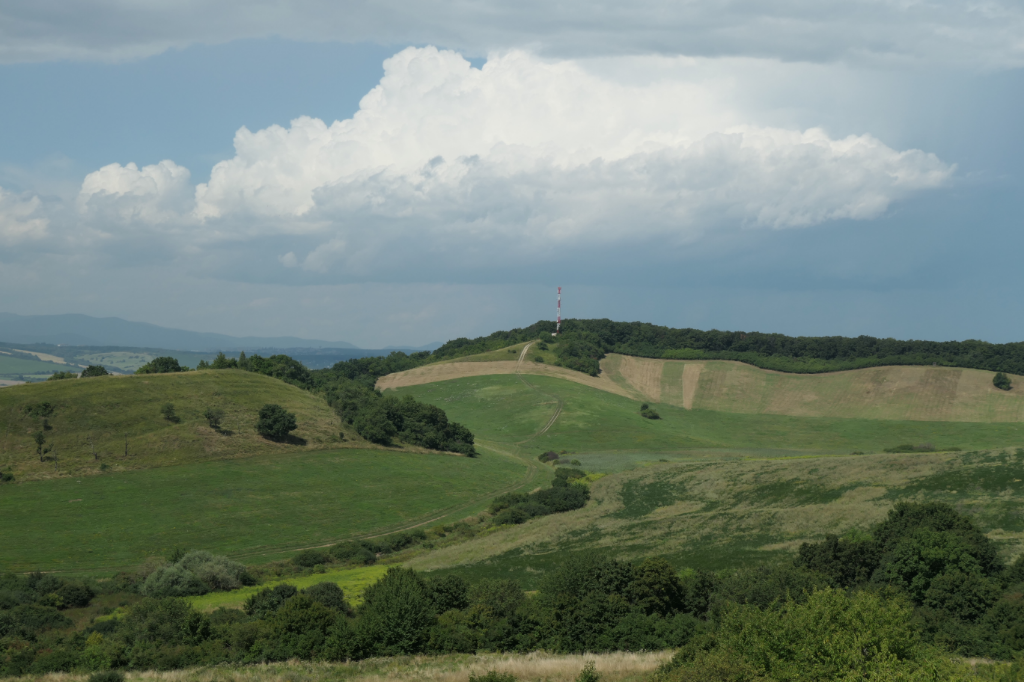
{"x": 83, "y": 330}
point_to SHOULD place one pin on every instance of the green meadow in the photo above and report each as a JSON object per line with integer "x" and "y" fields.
{"x": 510, "y": 410}
{"x": 256, "y": 509}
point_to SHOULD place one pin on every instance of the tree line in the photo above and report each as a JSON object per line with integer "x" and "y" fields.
{"x": 896, "y": 603}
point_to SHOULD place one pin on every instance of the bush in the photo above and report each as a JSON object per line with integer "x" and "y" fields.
{"x": 275, "y": 422}
{"x": 107, "y": 676}
{"x": 353, "y": 553}
{"x": 6, "y": 477}
{"x": 1001, "y": 381}
{"x": 548, "y": 456}
{"x": 173, "y": 581}
{"x": 57, "y": 376}
{"x": 161, "y": 365}
{"x": 308, "y": 558}
{"x": 648, "y": 412}
{"x": 167, "y": 410}
{"x": 94, "y": 371}
{"x": 213, "y": 416}
{"x": 268, "y": 600}
{"x": 396, "y": 615}
{"x": 329, "y": 595}
{"x": 195, "y": 573}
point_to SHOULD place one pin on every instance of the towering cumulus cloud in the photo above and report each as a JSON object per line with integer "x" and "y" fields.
{"x": 523, "y": 148}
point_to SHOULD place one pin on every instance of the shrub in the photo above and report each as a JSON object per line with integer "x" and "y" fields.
{"x": 195, "y": 573}
{"x": 548, "y": 456}
{"x": 311, "y": 557}
{"x": 161, "y": 365}
{"x": 648, "y": 412}
{"x": 57, "y": 376}
{"x": 6, "y": 477}
{"x": 588, "y": 674}
{"x": 538, "y": 358}
{"x": 173, "y": 581}
{"x": 107, "y": 676}
{"x": 275, "y": 422}
{"x": 75, "y": 595}
{"x": 167, "y": 410}
{"x": 353, "y": 553}
{"x": 213, "y": 416}
{"x": 1001, "y": 381}
{"x": 94, "y": 371}
{"x": 328, "y": 594}
{"x": 268, "y": 600}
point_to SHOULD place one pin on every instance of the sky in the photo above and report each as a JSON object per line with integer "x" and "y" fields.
{"x": 390, "y": 173}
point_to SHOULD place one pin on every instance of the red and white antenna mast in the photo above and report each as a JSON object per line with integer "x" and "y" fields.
{"x": 558, "y": 321}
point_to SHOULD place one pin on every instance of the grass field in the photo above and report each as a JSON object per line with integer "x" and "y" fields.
{"x": 352, "y": 581}
{"x": 510, "y": 409}
{"x": 92, "y": 417}
{"x": 255, "y": 509}
{"x": 726, "y": 514}
{"x": 11, "y": 367}
{"x": 532, "y": 667}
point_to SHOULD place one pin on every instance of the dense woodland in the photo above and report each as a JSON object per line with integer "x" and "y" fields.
{"x": 583, "y": 343}
{"x": 899, "y": 603}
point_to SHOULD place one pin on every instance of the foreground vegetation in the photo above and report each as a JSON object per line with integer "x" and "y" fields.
{"x": 924, "y": 585}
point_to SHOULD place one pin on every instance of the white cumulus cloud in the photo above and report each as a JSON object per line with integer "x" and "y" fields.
{"x": 152, "y": 194}
{"x": 537, "y": 150}
{"x": 21, "y": 219}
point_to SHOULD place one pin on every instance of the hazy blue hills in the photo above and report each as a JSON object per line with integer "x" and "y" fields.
{"x": 83, "y": 330}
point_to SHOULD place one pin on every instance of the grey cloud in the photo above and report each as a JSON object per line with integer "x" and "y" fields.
{"x": 954, "y": 32}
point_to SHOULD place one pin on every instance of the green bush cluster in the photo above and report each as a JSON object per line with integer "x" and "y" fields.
{"x": 94, "y": 371}
{"x": 196, "y": 572}
{"x": 516, "y": 508}
{"x": 57, "y": 376}
{"x": 1001, "y": 381}
{"x": 274, "y": 422}
{"x": 648, "y": 412}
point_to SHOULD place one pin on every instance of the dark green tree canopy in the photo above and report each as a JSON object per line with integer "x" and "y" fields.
{"x": 161, "y": 365}
{"x": 94, "y": 371}
{"x": 275, "y": 422}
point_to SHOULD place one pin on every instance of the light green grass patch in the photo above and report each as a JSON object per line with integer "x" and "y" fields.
{"x": 255, "y": 510}
{"x": 352, "y": 581}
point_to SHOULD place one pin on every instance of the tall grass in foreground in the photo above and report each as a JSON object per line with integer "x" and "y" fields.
{"x": 613, "y": 667}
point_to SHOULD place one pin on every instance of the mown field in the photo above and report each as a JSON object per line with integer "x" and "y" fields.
{"x": 255, "y": 509}
{"x": 93, "y": 418}
{"x": 510, "y": 410}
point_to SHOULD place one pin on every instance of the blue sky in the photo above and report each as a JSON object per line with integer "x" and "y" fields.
{"x": 796, "y": 167}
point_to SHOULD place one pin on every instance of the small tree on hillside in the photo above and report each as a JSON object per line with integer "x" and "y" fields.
{"x": 275, "y": 422}
{"x": 214, "y": 415}
{"x": 167, "y": 410}
{"x": 94, "y": 371}
{"x": 1001, "y": 381}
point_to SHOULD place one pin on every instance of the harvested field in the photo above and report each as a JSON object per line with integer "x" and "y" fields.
{"x": 900, "y": 393}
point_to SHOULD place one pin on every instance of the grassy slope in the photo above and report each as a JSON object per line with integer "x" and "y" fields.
{"x": 99, "y": 411}
{"x": 725, "y": 514}
{"x": 255, "y": 509}
{"x": 507, "y": 409}
{"x": 737, "y": 487}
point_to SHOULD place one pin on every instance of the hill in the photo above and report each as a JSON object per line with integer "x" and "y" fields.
{"x": 115, "y": 422}
{"x": 83, "y": 330}
{"x": 895, "y": 392}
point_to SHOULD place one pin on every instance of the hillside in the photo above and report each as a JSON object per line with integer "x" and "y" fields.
{"x": 727, "y": 514}
{"x": 895, "y": 392}
{"x": 92, "y": 418}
